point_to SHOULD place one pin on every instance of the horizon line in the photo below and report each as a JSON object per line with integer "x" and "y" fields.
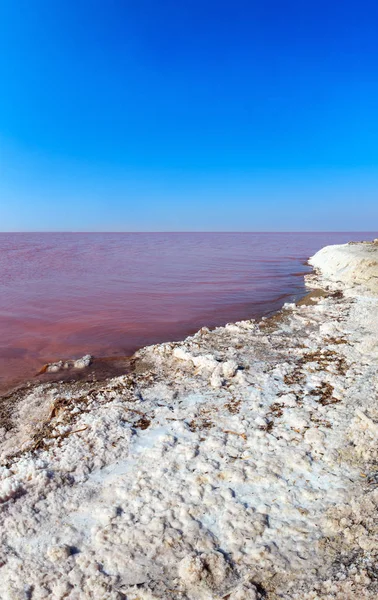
{"x": 302, "y": 231}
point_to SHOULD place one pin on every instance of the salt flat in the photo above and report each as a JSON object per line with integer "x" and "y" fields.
{"x": 240, "y": 463}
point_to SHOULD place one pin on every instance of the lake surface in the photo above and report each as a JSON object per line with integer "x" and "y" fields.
{"x": 63, "y": 295}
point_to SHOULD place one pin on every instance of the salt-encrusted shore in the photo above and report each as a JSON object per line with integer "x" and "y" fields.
{"x": 241, "y": 463}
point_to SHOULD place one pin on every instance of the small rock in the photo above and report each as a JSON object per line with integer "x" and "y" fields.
{"x": 216, "y": 380}
{"x": 83, "y": 362}
{"x": 229, "y": 368}
{"x": 209, "y": 570}
{"x": 58, "y": 553}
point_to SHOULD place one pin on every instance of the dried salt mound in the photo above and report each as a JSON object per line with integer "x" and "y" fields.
{"x": 349, "y": 265}
{"x": 80, "y": 363}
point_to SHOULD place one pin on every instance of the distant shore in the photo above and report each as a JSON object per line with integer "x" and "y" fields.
{"x": 238, "y": 463}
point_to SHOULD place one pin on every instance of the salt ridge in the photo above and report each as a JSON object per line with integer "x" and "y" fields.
{"x": 239, "y": 463}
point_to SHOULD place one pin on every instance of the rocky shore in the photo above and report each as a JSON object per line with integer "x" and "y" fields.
{"x": 240, "y": 463}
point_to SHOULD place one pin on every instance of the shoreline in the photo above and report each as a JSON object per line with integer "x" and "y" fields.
{"x": 106, "y": 366}
{"x": 225, "y": 465}
{"x": 113, "y": 326}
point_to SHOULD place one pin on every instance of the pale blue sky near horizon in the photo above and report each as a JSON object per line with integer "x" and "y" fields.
{"x": 214, "y": 116}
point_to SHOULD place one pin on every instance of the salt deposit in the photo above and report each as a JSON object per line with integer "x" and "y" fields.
{"x": 239, "y": 463}
{"x": 61, "y": 365}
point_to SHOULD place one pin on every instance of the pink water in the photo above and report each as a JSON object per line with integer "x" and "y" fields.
{"x": 65, "y": 295}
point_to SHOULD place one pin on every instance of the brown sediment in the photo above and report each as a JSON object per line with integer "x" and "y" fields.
{"x": 142, "y": 423}
{"x": 312, "y": 297}
{"x": 87, "y": 380}
{"x": 271, "y": 323}
{"x": 324, "y": 394}
{"x": 233, "y": 406}
{"x": 276, "y": 409}
{"x": 99, "y": 370}
{"x": 326, "y": 358}
{"x": 242, "y": 435}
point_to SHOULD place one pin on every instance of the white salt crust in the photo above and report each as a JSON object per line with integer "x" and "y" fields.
{"x": 238, "y": 464}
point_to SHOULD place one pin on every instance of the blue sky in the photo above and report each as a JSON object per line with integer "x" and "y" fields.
{"x": 200, "y": 115}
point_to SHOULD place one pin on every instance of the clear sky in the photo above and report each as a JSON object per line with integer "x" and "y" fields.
{"x": 189, "y": 115}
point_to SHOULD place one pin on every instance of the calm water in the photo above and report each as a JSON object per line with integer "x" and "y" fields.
{"x": 65, "y": 295}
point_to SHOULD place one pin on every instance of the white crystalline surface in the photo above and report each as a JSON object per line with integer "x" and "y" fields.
{"x": 240, "y": 463}
{"x": 349, "y": 266}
